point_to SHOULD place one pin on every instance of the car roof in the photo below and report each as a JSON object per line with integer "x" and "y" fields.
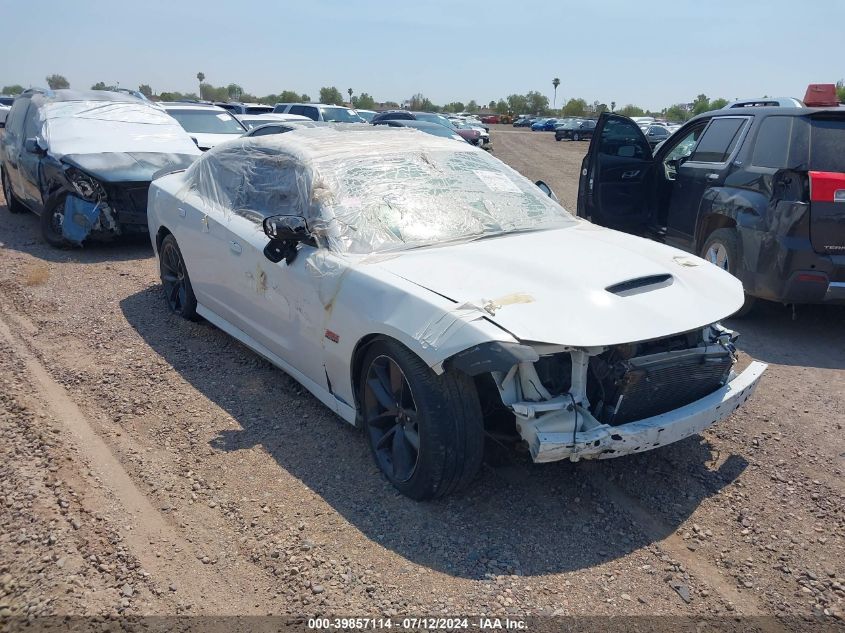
{"x": 52, "y": 96}
{"x": 411, "y": 123}
{"x": 319, "y": 105}
{"x": 271, "y": 117}
{"x": 767, "y": 111}
{"x": 187, "y": 105}
{"x": 312, "y": 144}
{"x": 786, "y": 102}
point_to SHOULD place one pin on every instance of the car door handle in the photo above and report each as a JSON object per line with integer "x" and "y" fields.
{"x": 235, "y": 247}
{"x": 712, "y": 176}
{"x": 627, "y": 175}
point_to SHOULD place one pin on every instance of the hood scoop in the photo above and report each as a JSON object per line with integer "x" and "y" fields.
{"x": 640, "y": 285}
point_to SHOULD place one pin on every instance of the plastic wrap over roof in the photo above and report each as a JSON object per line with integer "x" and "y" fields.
{"x": 99, "y": 122}
{"x": 365, "y": 189}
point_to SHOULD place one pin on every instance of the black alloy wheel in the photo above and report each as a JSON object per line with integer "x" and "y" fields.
{"x": 392, "y": 419}
{"x": 174, "y": 278}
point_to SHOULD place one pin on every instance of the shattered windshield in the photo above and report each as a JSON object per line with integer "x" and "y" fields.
{"x": 417, "y": 199}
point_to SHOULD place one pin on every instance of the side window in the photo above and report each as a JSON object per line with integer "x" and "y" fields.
{"x": 771, "y": 148}
{"x": 217, "y": 179}
{"x": 622, "y": 137}
{"x": 269, "y": 187}
{"x": 295, "y": 109}
{"x": 719, "y": 140}
{"x": 14, "y": 121}
{"x": 31, "y": 124}
{"x": 311, "y": 112}
{"x": 684, "y": 146}
{"x": 268, "y": 129}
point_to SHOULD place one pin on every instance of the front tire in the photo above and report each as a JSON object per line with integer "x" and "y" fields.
{"x": 178, "y": 291}
{"x": 576, "y": 137}
{"x": 425, "y": 431}
{"x": 51, "y": 221}
{"x": 723, "y": 250}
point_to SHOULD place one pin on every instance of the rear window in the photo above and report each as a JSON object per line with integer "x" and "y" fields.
{"x": 772, "y": 147}
{"x": 827, "y": 140}
{"x": 718, "y": 141}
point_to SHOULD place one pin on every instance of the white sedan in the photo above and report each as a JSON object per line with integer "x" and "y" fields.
{"x": 421, "y": 288}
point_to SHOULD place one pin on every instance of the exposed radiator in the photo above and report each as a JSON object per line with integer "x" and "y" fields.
{"x": 644, "y": 386}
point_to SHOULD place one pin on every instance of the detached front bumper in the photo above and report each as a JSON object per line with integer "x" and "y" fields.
{"x": 605, "y": 442}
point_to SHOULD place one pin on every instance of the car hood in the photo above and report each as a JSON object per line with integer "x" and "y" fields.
{"x": 127, "y": 166}
{"x": 207, "y": 141}
{"x": 552, "y": 286}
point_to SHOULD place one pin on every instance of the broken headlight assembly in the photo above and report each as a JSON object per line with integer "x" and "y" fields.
{"x": 86, "y": 187}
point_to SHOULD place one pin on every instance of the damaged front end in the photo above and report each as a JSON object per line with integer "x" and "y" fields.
{"x": 602, "y": 402}
{"x": 87, "y": 208}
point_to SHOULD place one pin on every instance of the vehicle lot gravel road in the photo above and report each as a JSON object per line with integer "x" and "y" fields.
{"x": 155, "y": 466}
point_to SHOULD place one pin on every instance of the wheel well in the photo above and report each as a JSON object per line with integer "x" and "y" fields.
{"x": 708, "y": 225}
{"x": 162, "y": 233}
{"x": 358, "y": 360}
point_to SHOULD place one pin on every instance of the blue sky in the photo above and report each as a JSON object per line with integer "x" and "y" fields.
{"x": 652, "y": 54}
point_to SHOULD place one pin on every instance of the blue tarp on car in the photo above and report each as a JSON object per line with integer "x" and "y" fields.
{"x": 80, "y": 218}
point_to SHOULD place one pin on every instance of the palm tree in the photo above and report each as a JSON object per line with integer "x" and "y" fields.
{"x": 555, "y": 83}
{"x": 349, "y": 90}
{"x": 200, "y": 78}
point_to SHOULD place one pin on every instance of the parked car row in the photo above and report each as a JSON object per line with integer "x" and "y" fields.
{"x": 409, "y": 281}
{"x": 575, "y": 129}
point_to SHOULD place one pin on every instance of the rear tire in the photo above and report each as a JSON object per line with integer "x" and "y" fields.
{"x": 576, "y": 137}
{"x": 425, "y": 431}
{"x": 12, "y": 203}
{"x": 175, "y": 281}
{"x": 723, "y": 250}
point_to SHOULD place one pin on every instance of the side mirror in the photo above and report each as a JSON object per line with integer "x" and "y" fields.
{"x": 285, "y": 233}
{"x": 546, "y": 190}
{"x": 286, "y": 227}
{"x": 32, "y": 146}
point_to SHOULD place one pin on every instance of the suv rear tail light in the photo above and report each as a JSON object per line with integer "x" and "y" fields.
{"x": 826, "y": 186}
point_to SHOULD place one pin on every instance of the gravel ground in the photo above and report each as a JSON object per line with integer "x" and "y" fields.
{"x": 155, "y": 466}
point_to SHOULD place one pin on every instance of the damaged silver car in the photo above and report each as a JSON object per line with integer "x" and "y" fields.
{"x": 426, "y": 291}
{"x": 83, "y": 161}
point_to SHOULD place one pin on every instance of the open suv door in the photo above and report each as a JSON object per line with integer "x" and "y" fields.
{"x": 614, "y": 187}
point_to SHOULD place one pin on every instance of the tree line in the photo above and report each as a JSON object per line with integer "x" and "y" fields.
{"x": 533, "y": 102}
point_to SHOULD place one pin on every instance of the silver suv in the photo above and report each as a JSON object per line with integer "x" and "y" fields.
{"x": 320, "y": 112}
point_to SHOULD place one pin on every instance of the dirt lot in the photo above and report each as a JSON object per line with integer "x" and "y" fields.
{"x": 155, "y": 466}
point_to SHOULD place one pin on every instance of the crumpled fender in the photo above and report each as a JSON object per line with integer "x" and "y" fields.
{"x": 362, "y": 300}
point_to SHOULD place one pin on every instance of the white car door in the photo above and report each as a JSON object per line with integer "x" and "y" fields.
{"x": 204, "y": 237}
{"x": 278, "y": 304}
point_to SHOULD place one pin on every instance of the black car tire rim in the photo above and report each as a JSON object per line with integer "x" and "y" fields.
{"x": 57, "y": 219}
{"x": 173, "y": 277}
{"x": 392, "y": 419}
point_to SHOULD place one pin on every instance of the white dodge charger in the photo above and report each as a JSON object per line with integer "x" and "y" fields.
{"x": 423, "y": 289}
